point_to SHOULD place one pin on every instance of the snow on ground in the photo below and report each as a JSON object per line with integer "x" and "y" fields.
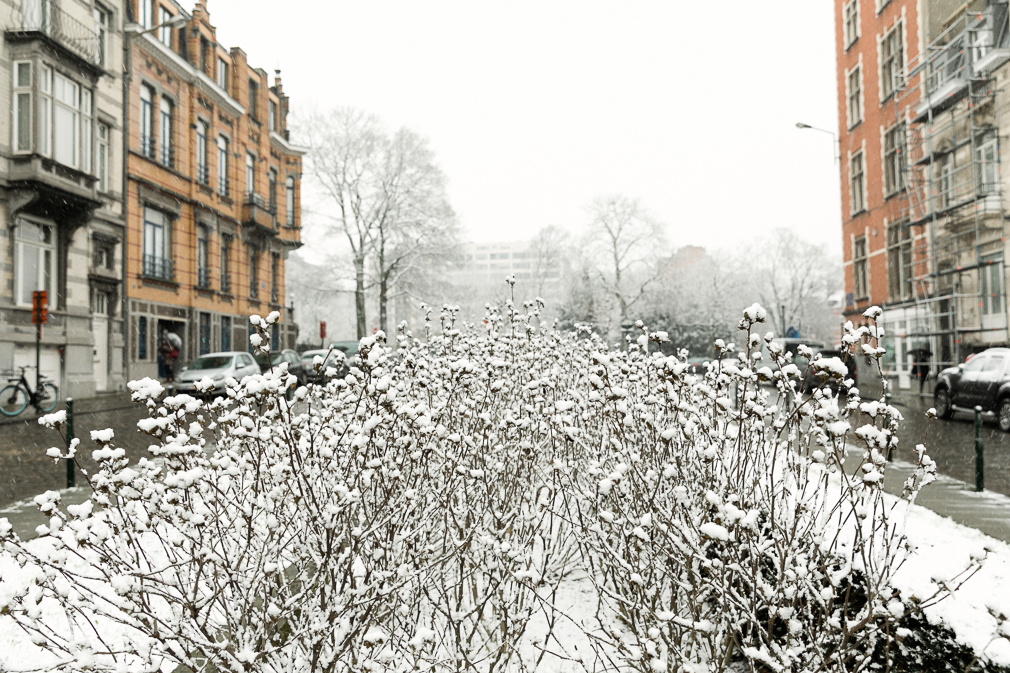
{"x": 944, "y": 549}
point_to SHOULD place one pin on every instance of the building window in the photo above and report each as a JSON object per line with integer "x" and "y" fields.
{"x": 222, "y": 73}
{"x": 164, "y": 32}
{"x": 226, "y": 264}
{"x": 272, "y": 188}
{"x": 289, "y": 201}
{"x": 894, "y": 151}
{"x": 854, "y": 99}
{"x": 101, "y": 18}
{"x": 225, "y": 333}
{"x": 857, "y": 187}
{"x": 142, "y": 338}
{"x": 859, "y": 271}
{"x": 23, "y": 106}
{"x": 165, "y": 129}
{"x": 851, "y": 22}
{"x": 86, "y": 126}
{"x": 892, "y": 60}
{"x": 204, "y": 342}
{"x": 272, "y": 121}
{"x": 275, "y": 290}
{"x": 156, "y": 262}
{"x": 254, "y": 93}
{"x": 899, "y": 262}
{"x": 943, "y": 192}
{"x": 46, "y": 110}
{"x": 202, "y": 169}
{"x": 147, "y": 121}
{"x": 102, "y": 169}
{"x": 222, "y": 166}
{"x": 104, "y": 257}
{"x": 35, "y": 262}
{"x": 147, "y": 13}
{"x": 254, "y": 273}
{"x": 204, "y": 53}
{"x": 202, "y": 260}
{"x": 67, "y": 120}
{"x": 250, "y": 173}
{"x": 990, "y": 275}
{"x": 987, "y": 157}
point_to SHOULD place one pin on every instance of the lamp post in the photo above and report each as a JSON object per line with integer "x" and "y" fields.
{"x": 837, "y": 149}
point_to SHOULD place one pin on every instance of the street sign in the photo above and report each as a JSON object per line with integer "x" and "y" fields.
{"x": 322, "y": 329}
{"x": 40, "y": 307}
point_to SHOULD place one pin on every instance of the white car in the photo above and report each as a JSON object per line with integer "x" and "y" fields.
{"x": 216, "y": 366}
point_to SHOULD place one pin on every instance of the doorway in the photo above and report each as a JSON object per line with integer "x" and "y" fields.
{"x": 100, "y": 329}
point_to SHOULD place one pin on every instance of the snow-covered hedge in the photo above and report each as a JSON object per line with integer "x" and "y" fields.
{"x": 430, "y": 510}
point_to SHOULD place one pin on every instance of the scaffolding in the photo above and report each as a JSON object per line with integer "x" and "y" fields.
{"x": 946, "y": 251}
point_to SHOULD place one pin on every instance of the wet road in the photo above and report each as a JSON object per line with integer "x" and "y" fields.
{"x": 952, "y": 443}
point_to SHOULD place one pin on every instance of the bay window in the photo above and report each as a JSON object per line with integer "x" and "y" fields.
{"x": 22, "y": 106}
{"x": 86, "y": 113}
{"x": 45, "y": 110}
{"x": 289, "y": 201}
{"x": 67, "y": 119}
{"x": 35, "y": 261}
{"x": 102, "y": 169}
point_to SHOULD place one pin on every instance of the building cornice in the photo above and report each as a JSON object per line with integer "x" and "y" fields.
{"x": 185, "y": 70}
{"x": 278, "y": 140}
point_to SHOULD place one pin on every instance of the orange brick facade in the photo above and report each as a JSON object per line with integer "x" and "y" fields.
{"x": 213, "y": 190}
{"x": 862, "y": 135}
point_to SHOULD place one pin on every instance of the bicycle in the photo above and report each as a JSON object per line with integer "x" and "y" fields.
{"x": 16, "y": 396}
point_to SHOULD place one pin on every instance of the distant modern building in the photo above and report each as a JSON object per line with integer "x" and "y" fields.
{"x": 921, "y": 94}
{"x": 213, "y": 188}
{"x": 61, "y": 168}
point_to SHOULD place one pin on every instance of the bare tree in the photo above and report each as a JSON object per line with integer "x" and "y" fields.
{"x": 384, "y": 194}
{"x": 625, "y": 241}
{"x": 420, "y": 231}
{"x": 547, "y": 253}
{"x": 793, "y": 279}
{"x": 345, "y": 147}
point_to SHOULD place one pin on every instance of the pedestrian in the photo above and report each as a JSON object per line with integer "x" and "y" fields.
{"x": 921, "y": 367}
{"x": 169, "y": 349}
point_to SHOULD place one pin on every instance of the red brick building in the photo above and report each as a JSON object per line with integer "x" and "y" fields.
{"x": 922, "y": 216}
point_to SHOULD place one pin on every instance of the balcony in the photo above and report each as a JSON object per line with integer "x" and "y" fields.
{"x": 159, "y": 268}
{"x": 167, "y": 157}
{"x": 225, "y": 284}
{"x": 223, "y": 186}
{"x": 256, "y": 213}
{"x": 203, "y": 279}
{"x": 43, "y": 19}
{"x": 147, "y": 145}
{"x": 203, "y": 174}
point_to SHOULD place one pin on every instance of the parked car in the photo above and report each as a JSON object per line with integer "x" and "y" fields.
{"x": 350, "y": 351}
{"x": 982, "y": 381}
{"x": 812, "y": 381}
{"x": 295, "y": 364}
{"x": 218, "y": 366}
{"x": 791, "y": 345}
{"x": 332, "y": 358}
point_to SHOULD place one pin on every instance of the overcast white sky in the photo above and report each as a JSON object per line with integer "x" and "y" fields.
{"x": 533, "y": 108}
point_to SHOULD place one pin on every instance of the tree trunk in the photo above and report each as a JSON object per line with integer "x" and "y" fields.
{"x": 359, "y": 293}
{"x": 383, "y": 287}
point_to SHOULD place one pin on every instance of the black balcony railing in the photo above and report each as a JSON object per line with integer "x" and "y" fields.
{"x": 254, "y": 290}
{"x": 290, "y": 217}
{"x": 203, "y": 174}
{"x": 225, "y": 285}
{"x": 275, "y": 296}
{"x": 158, "y": 267}
{"x": 43, "y": 16}
{"x": 167, "y": 157}
{"x": 254, "y": 199}
{"x": 223, "y": 186}
{"x": 203, "y": 278}
{"x": 147, "y": 145}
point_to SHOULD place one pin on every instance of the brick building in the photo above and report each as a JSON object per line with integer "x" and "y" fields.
{"x": 212, "y": 191}
{"x": 922, "y": 212}
{"x": 61, "y": 190}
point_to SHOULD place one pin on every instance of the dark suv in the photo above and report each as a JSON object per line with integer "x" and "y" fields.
{"x": 295, "y": 364}
{"x": 982, "y": 381}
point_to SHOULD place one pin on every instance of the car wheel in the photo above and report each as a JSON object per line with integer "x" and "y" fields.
{"x": 942, "y": 404}
{"x": 1003, "y": 415}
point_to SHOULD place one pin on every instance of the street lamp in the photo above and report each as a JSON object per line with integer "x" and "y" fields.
{"x": 838, "y": 150}
{"x": 134, "y": 28}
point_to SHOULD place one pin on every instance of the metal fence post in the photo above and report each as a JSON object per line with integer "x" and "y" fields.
{"x": 979, "y": 462}
{"x": 70, "y": 438}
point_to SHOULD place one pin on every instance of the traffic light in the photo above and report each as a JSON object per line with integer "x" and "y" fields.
{"x": 40, "y": 307}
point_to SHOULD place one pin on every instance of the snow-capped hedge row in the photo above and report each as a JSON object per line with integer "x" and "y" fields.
{"x": 428, "y": 510}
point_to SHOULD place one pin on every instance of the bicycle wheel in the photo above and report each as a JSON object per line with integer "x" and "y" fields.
{"x": 47, "y": 397}
{"x": 13, "y": 400}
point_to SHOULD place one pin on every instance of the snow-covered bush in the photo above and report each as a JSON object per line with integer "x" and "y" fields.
{"x": 425, "y": 512}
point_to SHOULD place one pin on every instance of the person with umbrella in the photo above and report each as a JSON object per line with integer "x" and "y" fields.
{"x": 920, "y": 367}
